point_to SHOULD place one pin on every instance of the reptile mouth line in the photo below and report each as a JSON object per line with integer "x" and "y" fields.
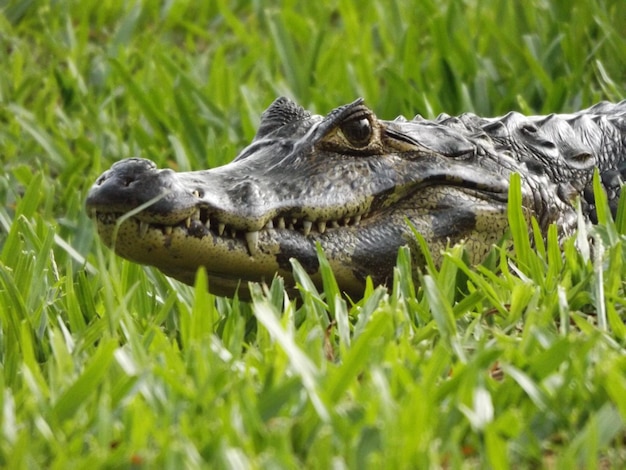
{"x": 203, "y": 223}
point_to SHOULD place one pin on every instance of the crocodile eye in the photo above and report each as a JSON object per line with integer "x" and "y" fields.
{"x": 358, "y": 132}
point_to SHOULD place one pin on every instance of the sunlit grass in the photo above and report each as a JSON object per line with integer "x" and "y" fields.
{"x": 104, "y": 363}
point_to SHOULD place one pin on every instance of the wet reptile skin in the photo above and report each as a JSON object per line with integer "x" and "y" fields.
{"x": 350, "y": 182}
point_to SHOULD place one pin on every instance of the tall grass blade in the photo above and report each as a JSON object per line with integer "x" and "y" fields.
{"x": 302, "y": 365}
{"x": 602, "y": 203}
{"x": 620, "y": 219}
{"x": 83, "y": 387}
{"x": 443, "y": 315}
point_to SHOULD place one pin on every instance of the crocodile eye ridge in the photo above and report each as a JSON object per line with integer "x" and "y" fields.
{"x": 358, "y": 132}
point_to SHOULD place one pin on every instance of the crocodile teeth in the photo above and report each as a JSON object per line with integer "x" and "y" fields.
{"x": 253, "y": 242}
{"x": 220, "y": 229}
{"x": 307, "y": 225}
{"x": 334, "y": 224}
{"x": 207, "y": 224}
{"x": 321, "y": 226}
{"x": 281, "y": 222}
{"x": 143, "y": 228}
{"x": 168, "y": 230}
{"x": 188, "y": 222}
{"x": 357, "y": 219}
{"x": 269, "y": 225}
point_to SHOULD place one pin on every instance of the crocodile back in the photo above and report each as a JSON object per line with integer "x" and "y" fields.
{"x": 566, "y": 147}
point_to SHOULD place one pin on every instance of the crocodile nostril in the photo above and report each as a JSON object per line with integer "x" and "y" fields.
{"x": 101, "y": 179}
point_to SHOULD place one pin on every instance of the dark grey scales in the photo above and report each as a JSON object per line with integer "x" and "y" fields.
{"x": 350, "y": 181}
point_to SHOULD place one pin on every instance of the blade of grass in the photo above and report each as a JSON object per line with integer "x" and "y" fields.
{"x": 602, "y": 203}
{"x": 525, "y": 255}
{"x": 83, "y": 387}
{"x": 302, "y": 365}
{"x": 443, "y": 315}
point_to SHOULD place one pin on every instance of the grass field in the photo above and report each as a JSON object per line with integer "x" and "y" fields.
{"x": 105, "y": 364}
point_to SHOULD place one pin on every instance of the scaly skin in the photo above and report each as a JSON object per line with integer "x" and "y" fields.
{"x": 350, "y": 182}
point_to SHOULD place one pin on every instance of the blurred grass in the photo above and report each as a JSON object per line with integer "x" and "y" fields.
{"x": 104, "y": 363}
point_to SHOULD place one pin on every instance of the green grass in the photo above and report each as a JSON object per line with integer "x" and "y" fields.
{"x": 107, "y": 364}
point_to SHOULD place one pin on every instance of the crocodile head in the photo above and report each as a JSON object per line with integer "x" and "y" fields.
{"x": 347, "y": 181}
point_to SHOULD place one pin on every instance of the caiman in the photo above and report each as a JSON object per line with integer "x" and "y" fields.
{"x": 353, "y": 184}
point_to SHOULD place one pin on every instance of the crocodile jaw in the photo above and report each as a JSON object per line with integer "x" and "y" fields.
{"x": 356, "y": 247}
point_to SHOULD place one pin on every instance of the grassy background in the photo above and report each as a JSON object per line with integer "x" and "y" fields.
{"x": 104, "y": 363}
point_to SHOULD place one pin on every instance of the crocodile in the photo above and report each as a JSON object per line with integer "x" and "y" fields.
{"x": 357, "y": 186}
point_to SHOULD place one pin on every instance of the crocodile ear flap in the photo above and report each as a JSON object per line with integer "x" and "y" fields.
{"x": 282, "y": 111}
